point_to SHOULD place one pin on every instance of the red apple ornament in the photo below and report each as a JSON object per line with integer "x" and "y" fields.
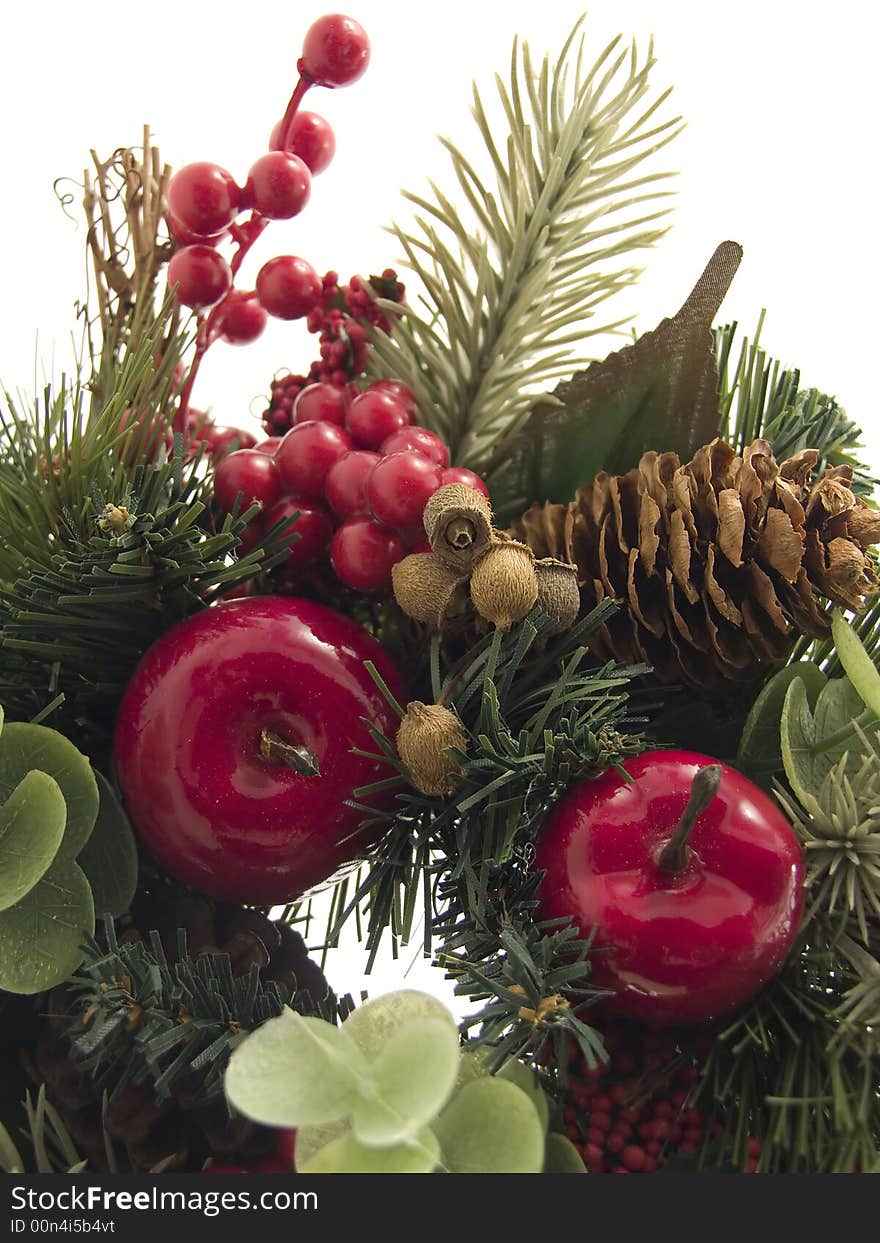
{"x": 234, "y": 742}
{"x": 689, "y": 874}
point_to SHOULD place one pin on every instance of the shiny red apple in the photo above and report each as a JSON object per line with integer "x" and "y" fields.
{"x": 692, "y": 884}
{"x": 234, "y": 746}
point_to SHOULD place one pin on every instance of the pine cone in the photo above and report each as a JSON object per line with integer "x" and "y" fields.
{"x": 719, "y": 564}
{"x": 182, "y": 1132}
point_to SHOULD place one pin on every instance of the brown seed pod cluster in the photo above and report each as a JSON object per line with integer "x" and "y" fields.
{"x": 469, "y": 559}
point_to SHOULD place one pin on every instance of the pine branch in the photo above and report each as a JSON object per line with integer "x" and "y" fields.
{"x": 515, "y": 281}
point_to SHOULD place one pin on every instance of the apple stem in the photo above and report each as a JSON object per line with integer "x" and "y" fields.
{"x": 674, "y": 855}
{"x": 277, "y": 751}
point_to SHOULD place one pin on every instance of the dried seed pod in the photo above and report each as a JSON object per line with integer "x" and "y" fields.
{"x": 424, "y": 587}
{"x": 558, "y": 592}
{"x": 458, "y": 523}
{"x": 504, "y": 586}
{"x": 422, "y": 737}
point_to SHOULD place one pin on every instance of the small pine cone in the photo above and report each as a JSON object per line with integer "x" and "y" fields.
{"x": 426, "y": 588}
{"x": 504, "y": 586}
{"x": 558, "y": 592}
{"x": 458, "y": 524}
{"x": 718, "y": 564}
{"x": 422, "y": 738}
{"x": 547, "y": 530}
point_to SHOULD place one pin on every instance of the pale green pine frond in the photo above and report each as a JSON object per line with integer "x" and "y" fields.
{"x": 516, "y": 264}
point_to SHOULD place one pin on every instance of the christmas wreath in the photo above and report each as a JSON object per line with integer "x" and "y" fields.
{"x": 574, "y": 669}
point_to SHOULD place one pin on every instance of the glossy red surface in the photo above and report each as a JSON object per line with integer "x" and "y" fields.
{"x": 685, "y": 947}
{"x": 187, "y": 745}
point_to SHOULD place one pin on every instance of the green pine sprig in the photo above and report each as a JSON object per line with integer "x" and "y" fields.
{"x": 516, "y": 264}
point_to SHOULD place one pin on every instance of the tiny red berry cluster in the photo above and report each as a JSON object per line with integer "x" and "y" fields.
{"x": 358, "y": 472}
{"x": 341, "y": 320}
{"x": 205, "y": 206}
{"x": 635, "y": 1112}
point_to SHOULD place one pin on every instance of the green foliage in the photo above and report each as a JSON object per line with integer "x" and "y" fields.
{"x": 491, "y": 1127}
{"x": 760, "y": 748}
{"x": 109, "y": 858}
{"x": 53, "y": 1149}
{"x": 659, "y": 392}
{"x": 514, "y": 272}
{"x": 41, "y": 936}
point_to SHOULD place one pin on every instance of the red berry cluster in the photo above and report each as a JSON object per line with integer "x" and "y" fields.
{"x": 340, "y": 319}
{"x": 357, "y": 471}
{"x": 204, "y": 204}
{"x": 634, "y": 1112}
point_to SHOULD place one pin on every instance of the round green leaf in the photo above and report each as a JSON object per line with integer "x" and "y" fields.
{"x": 41, "y": 936}
{"x": 109, "y": 857}
{"x": 311, "y": 1139}
{"x": 760, "y": 749}
{"x": 411, "y": 1080}
{"x": 295, "y": 1071}
{"x": 25, "y": 747}
{"x": 561, "y": 1156}
{"x": 374, "y": 1023}
{"x": 346, "y": 1155}
{"x": 491, "y": 1127}
{"x": 526, "y": 1079}
{"x": 31, "y": 828}
{"x": 860, "y": 669}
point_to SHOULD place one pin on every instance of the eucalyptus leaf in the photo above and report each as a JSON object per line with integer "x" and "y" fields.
{"x": 412, "y": 1079}
{"x": 561, "y": 1156}
{"x": 24, "y": 747}
{"x": 491, "y": 1127}
{"x": 295, "y": 1071}
{"x": 857, "y": 664}
{"x": 31, "y": 827}
{"x": 526, "y": 1079}
{"x": 373, "y": 1024}
{"x": 346, "y": 1155}
{"x": 814, "y": 742}
{"x": 42, "y": 935}
{"x": 659, "y": 393}
{"x": 311, "y": 1139}
{"x": 760, "y": 748}
{"x": 109, "y": 858}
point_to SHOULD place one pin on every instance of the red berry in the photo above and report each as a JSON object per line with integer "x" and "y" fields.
{"x": 336, "y": 51}
{"x": 634, "y": 1157}
{"x": 312, "y": 529}
{"x": 400, "y": 487}
{"x": 421, "y": 441}
{"x": 397, "y": 389}
{"x": 288, "y": 287}
{"x": 661, "y": 1128}
{"x": 345, "y": 488}
{"x": 653, "y": 1147}
{"x": 603, "y": 1103}
{"x": 279, "y": 185}
{"x": 752, "y": 1165}
{"x": 460, "y": 474}
{"x": 615, "y": 1142}
{"x": 600, "y": 1121}
{"x": 203, "y": 197}
{"x": 650, "y": 1166}
{"x": 753, "y": 1147}
{"x": 306, "y": 455}
{"x": 269, "y": 445}
{"x": 242, "y": 319}
{"x": 320, "y": 401}
{"x": 630, "y": 1114}
{"x": 595, "y": 1136}
{"x": 373, "y": 416}
{"x": 180, "y": 233}
{"x": 363, "y": 553}
{"x": 593, "y": 1155}
{"x": 663, "y": 1109}
{"x": 249, "y": 472}
{"x": 201, "y": 276}
{"x": 310, "y": 137}
{"x": 250, "y": 539}
{"x": 220, "y": 440}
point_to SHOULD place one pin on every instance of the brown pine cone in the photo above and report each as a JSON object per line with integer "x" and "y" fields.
{"x": 718, "y": 565}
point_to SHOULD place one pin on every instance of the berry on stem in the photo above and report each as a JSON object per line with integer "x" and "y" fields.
{"x": 373, "y": 416}
{"x": 203, "y": 198}
{"x": 307, "y": 538}
{"x": 250, "y": 473}
{"x": 345, "y": 488}
{"x": 306, "y": 455}
{"x": 242, "y": 319}
{"x": 288, "y": 287}
{"x": 419, "y": 440}
{"x": 278, "y": 185}
{"x": 363, "y": 554}
{"x": 269, "y": 445}
{"x": 221, "y": 440}
{"x": 336, "y": 51}
{"x": 398, "y": 389}
{"x": 200, "y": 276}
{"x": 320, "y": 401}
{"x": 460, "y": 474}
{"x": 310, "y": 137}
{"x": 400, "y": 487}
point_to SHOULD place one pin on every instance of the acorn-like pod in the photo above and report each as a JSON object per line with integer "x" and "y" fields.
{"x": 458, "y": 524}
{"x": 422, "y": 737}
{"x": 558, "y": 592}
{"x": 426, "y": 588}
{"x": 504, "y": 586}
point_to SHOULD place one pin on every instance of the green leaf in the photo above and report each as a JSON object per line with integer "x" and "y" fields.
{"x": 813, "y": 742}
{"x": 31, "y": 827}
{"x": 491, "y": 1127}
{"x": 860, "y": 669}
{"x": 561, "y": 1156}
{"x": 346, "y": 1155}
{"x": 24, "y": 747}
{"x": 526, "y": 1079}
{"x": 109, "y": 858}
{"x": 411, "y": 1081}
{"x": 659, "y": 393}
{"x": 295, "y": 1071}
{"x": 760, "y": 748}
{"x": 41, "y": 937}
{"x": 373, "y": 1024}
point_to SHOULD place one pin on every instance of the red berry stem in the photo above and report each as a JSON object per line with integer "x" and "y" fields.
{"x": 277, "y": 751}
{"x": 286, "y": 129}
{"x": 674, "y": 855}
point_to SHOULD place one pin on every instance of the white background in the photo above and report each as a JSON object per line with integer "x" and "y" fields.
{"x": 779, "y": 154}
